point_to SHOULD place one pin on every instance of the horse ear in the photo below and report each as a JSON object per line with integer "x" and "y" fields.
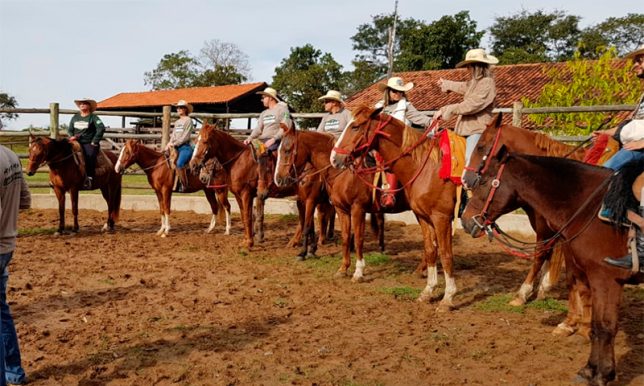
{"x": 375, "y": 113}
{"x": 499, "y": 120}
{"x": 285, "y": 127}
{"x": 502, "y": 153}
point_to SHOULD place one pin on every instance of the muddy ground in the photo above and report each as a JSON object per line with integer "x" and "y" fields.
{"x": 130, "y": 308}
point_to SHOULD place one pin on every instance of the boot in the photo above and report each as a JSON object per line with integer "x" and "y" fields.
{"x": 87, "y": 184}
{"x": 179, "y": 182}
{"x": 388, "y": 197}
{"x": 627, "y": 261}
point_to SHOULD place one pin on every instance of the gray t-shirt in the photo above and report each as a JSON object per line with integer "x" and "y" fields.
{"x": 639, "y": 110}
{"x": 182, "y": 130}
{"x": 14, "y": 195}
{"x": 269, "y": 120}
{"x": 335, "y": 123}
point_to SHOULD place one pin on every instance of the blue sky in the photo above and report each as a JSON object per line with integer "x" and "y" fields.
{"x": 59, "y": 50}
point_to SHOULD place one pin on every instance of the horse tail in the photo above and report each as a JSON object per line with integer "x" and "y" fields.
{"x": 373, "y": 223}
{"x": 619, "y": 197}
{"x": 556, "y": 262}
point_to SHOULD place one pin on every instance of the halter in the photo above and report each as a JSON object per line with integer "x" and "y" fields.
{"x": 368, "y": 140}
{"x": 485, "y": 162}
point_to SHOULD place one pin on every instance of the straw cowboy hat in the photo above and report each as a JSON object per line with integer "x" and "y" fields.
{"x": 638, "y": 51}
{"x": 185, "y": 104}
{"x": 271, "y": 92}
{"x": 477, "y": 55}
{"x": 396, "y": 83}
{"x": 90, "y": 101}
{"x": 332, "y": 95}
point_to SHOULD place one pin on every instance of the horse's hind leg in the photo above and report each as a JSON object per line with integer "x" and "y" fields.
{"x": 60, "y": 195}
{"x": 345, "y": 224}
{"x": 222, "y": 200}
{"x": 309, "y": 228}
{"x": 527, "y": 286}
{"x": 430, "y": 254}
{"x": 259, "y": 219}
{"x": 109, "y": 225}
{"x": 443, "y": 227}
{"x": 74, "y": 198}
{"x": 297, "y": 237}
{"x": 214, "y": 208}
{"x": 358, "y": 216}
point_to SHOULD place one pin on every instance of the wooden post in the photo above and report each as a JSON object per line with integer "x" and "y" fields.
{"x": 165, "y": 126}
{"x": 53, "y": 120}
{"x": 517, "y": 107}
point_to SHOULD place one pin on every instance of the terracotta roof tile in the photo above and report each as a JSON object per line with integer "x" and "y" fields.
{"x": 194, "y": 95}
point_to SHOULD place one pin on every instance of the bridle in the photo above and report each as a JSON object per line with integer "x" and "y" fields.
{"x": 485, "y": 163}
{"x": 368, "y": 140}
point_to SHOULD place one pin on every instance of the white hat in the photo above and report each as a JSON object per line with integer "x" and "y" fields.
{"x": 271, "y": 92}
{"x": 477, "y": 55}
{"x": 90, "y": 101}
{"x": 395, "y": 83}
{"x": 185, "y": 104}
{"x": 638, "y": 51}
{"x": 332, "y": 95}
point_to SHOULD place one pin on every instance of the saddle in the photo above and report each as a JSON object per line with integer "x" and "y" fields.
{"x": 452, "y": 148}
{"x": 103, "y": 163}
{"x": 258, "y": 149}
{"x": 172, "y": 157}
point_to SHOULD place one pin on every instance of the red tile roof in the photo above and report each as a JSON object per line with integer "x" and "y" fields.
{"x": 194, "y": 95}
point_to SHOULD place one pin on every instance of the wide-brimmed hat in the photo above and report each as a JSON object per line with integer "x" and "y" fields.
{"x": 90, "y": 101}
{"x": 477, "y": 55}
{"x": 185, "y": 104}
{"x": 638, "y": 51}
{"x": 271, "y": 92}
{"x": 395, "y": 83}
{"x": 332, "y": 95}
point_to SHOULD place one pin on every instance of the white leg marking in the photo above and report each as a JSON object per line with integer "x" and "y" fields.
{"x": 227, "y": 223}
{"x": 432, "y": 281}
{"x": 450, "y": 289}
{"x": 213, "y": 222}
{"x": 160, "y": 231}
{"x": 359, "y": 272}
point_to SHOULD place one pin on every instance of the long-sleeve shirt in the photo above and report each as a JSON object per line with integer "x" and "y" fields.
{"x": 269, "y": 120}
{"x": 182, "y": 130}
{"x": 475, "y": 111}
{"x": 404, "y": 111}
{"x": 335, "y": 123}
{"x": 14, "y": 195}
{"x": 88, "y": 129}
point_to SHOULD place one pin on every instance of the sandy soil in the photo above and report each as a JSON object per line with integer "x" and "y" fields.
{"x": 130, "y": 308}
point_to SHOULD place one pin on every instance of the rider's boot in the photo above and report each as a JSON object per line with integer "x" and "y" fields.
{"x": 180, "y": 180}
{"x": 627, "y": 261}
{"x": 388, "y": 197}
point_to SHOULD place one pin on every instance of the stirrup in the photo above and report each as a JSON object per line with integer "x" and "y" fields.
{"x": 87, "y": 184}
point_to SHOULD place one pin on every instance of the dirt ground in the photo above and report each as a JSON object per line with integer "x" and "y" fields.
{"x": 130, "y": 308}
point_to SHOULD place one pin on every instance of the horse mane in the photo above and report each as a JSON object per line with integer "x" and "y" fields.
{"x": 619, "y": 197}
{"x": 554, "y": 148}
{"x": 410, "y": 138}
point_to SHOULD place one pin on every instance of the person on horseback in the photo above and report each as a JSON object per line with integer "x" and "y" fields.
{"x": 87, "y": 128}
{"x": 180, "y": 140}
{"x": 394, "y": 102}
{"x": 268, "y": 128}
{"x": 338, "y": 118}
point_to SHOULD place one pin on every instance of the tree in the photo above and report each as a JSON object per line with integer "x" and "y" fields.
{"x": 585, "y": 83}
{"x": 305, "y": 75}
{"x": 535, "y": 37}
{"x": 177, "y": 70}
{"x": 8, "y": 102}
{"x": 224, "y": 57}
{"x": 624, "y": 33}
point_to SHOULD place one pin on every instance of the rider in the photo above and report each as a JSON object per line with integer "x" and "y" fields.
{"x": 87, "y": 128}
{"x": 268, "y": 128}
{"x": 180, "y": 139}
{"x": 394, "y": 102}
{"x": 338, "y": 117}
{"x": 631, "y": 135}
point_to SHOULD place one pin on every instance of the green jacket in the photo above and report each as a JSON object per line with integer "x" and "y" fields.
{"x": 87, "y": 129}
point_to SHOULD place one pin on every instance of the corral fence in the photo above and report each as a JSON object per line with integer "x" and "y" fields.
{"x": 115, "y": 137}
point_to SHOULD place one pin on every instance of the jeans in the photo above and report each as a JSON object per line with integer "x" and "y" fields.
{"x": 274, "y": 146}
{"x": 622, "y": 157}
{"x": 91, "y": 152}
{"x": 12, "y": 370}
{"x": 470, "y": 144}
{"x": 185, "y": 153}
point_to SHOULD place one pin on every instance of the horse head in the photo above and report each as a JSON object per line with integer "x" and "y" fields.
{"x": 491, "y": 197}
{"x": 285, "y": 168}
{"x": 488, "y": 144}
{"x": 359, "y": 136}
{"x": 129, "y": 155}
{"x": 38, "y": 152}
{"x": 202, "y": 147}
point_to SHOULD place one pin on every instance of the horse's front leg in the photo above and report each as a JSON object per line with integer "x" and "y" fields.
{"x": 245, "y": 202}
{"x": 429, "y": 257}
{"x": 295, "y": 240}
{"x": 443, "y": 226}
{"x": 345, "y": 225}
{"x": 309, "y": 227}
{"x": 358, "y": 216}
{"x": 60, "y": 196}
{"x": 214, "y": 208}
{"x": 259, "y": 218}
{"x": 73, "y": 194}
{"x": 527, "y": 286}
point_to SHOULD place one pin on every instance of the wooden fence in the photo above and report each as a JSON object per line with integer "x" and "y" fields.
{"x": 115, "y": 136}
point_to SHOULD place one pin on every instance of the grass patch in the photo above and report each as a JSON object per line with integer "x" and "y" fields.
{"x": 326, "y": 263}
{"x": 402, "y": 293}
{"x": 36, "y": 231}
{"x": 634, "y": 293}
{"x": 288, "y": 217}
{"x": 548, "y": 304}
{"x": 376, "y": 258}
{"x": 499, "y": 303}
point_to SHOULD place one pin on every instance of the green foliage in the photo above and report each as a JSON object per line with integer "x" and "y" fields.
{"x": 535, "y": 37}
{"x": 176, "y": 70}
{"x": 498, "y": 303}
{"x": 376, "y": 258}
{"x": 402, "y": 293}
{"x": 585, "y": 83}
{"x": 7, "y": 101}
{"x": 304, "y": 76}
{"x": 623, "y": 33}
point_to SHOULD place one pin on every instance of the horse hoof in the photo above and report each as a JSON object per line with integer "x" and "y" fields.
{"x": 311, "y": 255}
{"x": 424, "y": 297}
{"x": 358, "y": 279}
{"x": 164, "y": 235}
{"x": 159, "y": 232}
{"x": 563, "y": 330}
{"x": 444, "y": 307}
{"x": 340, "y": 274}
{"x": 516, "y": 302}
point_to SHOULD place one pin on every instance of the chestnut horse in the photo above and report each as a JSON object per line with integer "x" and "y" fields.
{"x": 352, "y": 198}
{"x": 65, "y": 176}
{"x": 568, "y": 195}
{"x": 415, "y": 161}
{"x": 161, "y": 178}
{"x": 240, "y": 165}
{"x": 530, "y": 142}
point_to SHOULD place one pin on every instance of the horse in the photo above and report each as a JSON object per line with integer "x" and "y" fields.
{"x": 65, "y": 176}
{"x": 568, "y": 194}
{"x": 161, "y": 178}
{"x": 415, "y": 161}
{"x": 530, "y": 142}
{"x": 240, "y": 166}
{"x": 351, "y": 198}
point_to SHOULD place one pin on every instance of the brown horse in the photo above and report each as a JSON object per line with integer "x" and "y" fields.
{"x": 352, "y": 198}
{"x": 65, "y": 176}
{"x": 415, "y": 161}
{"x": 529, "y": 142}
{"x": 161, "y": 178}
{"x": 568, "y": 195}
{"x": 241, "y": 169}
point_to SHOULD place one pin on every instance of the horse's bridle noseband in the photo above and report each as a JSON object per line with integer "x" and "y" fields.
{"x": 368, "y": 141}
